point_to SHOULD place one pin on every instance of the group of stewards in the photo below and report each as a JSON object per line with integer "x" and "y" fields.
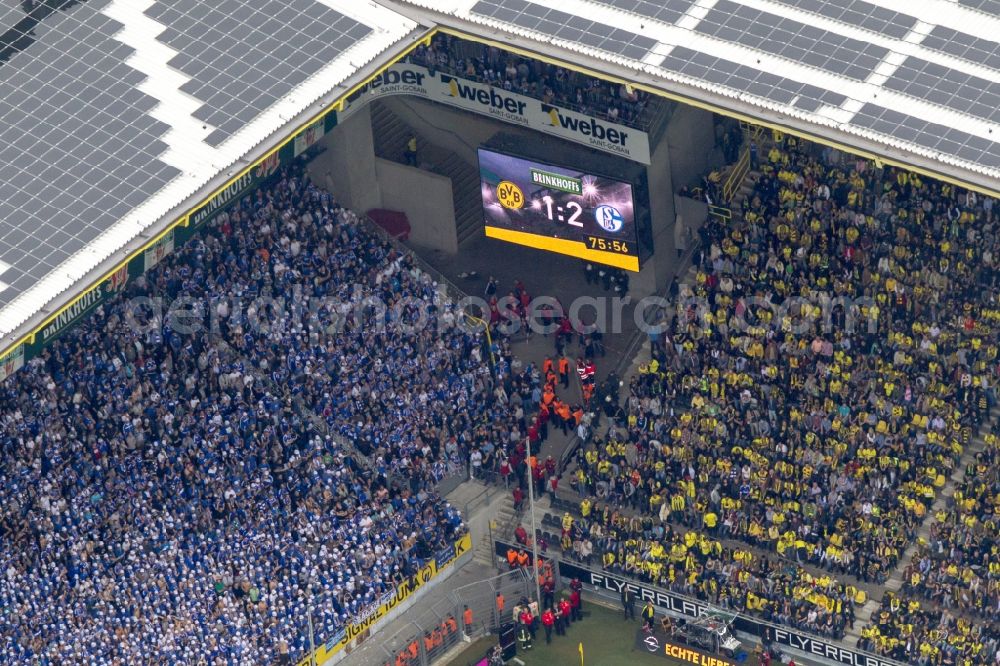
{"x": 557, "y": 616}
{"x": 434, "y": 641}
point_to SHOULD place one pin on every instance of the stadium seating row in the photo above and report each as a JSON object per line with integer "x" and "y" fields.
{"x": 818, "y": 382}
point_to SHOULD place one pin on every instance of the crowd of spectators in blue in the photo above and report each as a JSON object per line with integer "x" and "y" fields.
{"x": 179, "y": 490}
{"x": 550, "y": 83}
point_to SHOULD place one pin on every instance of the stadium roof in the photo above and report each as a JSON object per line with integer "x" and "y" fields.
{"x": 916, "y": 80}
{"x": 116, "y": 115}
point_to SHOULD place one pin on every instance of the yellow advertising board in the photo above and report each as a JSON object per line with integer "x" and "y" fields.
{"x": 390, "y": 601}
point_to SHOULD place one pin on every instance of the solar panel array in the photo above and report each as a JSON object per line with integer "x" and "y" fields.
{"x": 78, "y": 148}
{"x": 947, "y": 87}
{"x": 790, "y": 39}
{"x": 244, "y": 55}
{"x": 965, "y": 46}
{"x": 991, "y": 7}
{"x": 667, "y": 11}
{"x": 561, "y": 25}
{"x": 859, "y": 13}
{"x": 10, "y": 14}
{"x": 850, "y": 42}
{"x": 935, "y": 136}
{"x": 749, "y": 80}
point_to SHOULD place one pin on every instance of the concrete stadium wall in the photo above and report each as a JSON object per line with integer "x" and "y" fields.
{"x": 455, "y": 130}
{"x": 691, "y": 137}
{"x": 425, "y": 197}
{"x": 655, "y": 274}
{"x": 347, "y": 167}
{"x": 691, "y": 214}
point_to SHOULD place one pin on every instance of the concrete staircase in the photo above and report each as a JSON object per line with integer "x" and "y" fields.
{"x": 391, "y": 135}
{"x": 745, "y": 190}
{"x": 495, "y": 519}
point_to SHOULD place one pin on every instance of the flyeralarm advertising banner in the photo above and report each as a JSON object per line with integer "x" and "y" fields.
{"x": 493, "y": 101}
{"x": 825, "y": 649}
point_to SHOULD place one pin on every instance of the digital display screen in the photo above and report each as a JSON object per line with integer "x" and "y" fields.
{"x": 558, "y": 209}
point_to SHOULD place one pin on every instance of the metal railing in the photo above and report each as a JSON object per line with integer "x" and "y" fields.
{"x": 439, "y": 627}
{"x": 737, "y": 174}
{"x": 721, "y": 213}
{"x": 742, "y": 167}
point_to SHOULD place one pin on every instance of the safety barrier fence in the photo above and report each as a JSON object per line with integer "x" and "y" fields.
{"x": 609, "y": 584}
{"x": 365, "y": 623}
{"x": 721, "y": 213}
{"x": 736, "y": 175}
{"x": 441, "y": 625}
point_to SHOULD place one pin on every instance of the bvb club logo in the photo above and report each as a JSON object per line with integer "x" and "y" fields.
{"x": 510, "y": 195}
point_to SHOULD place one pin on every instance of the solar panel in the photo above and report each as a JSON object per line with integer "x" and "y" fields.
{"x": 947, "y": 87}
{"x": 66, "y": 172}
{"x": 20, "y": 21}
{"x": 559, "y": 24}
{"x": 962, "y": 45}
{"x": 10, "y": 14}
{"x": 947, "y": 140}
{"x": 667, "y": 11}
{"x": 240, "y": 53}
{"x": 991, "y": 7}
{"x": 859, "y": 13}
{"x": 750, "y": 80}
{"x": 792, "y": 40}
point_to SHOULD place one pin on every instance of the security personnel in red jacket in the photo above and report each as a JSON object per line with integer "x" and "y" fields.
{"x": 565, "y": 609}
{"x": 575, "y": 605}
{"x": 548, "y": 621}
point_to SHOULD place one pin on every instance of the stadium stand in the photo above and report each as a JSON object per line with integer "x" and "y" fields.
{"x": 165, "y": 495}
{"x": 959, "y": 566}
{"x": 824, "y": 444}
{"x": 534, "y": 78}
{"x": 907, "y": 630}
{"x": 946, "y": 611}
{"x": 695, "y": 564}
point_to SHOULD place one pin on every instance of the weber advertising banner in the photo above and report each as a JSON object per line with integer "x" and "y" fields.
{"x": 407, "y": 79}
{"x": 681, "y": 605}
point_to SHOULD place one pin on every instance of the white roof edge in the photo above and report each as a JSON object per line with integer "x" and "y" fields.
{"x": 854, "y": 139}
{"x": 257, "y": 150}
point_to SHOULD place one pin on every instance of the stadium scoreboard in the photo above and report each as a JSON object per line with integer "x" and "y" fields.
{"x": 558, "y": 209}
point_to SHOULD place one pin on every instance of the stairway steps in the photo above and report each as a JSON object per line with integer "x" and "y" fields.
{"x": 391, "y": 134}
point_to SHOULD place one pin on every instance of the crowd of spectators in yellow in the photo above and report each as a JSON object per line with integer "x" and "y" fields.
{"x": 959, "y": 565}
{"x": 820, "y": 379}
{"x": 693, "y": 563}
{"x": 915, "y": 632}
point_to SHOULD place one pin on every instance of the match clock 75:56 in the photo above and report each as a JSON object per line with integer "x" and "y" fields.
{"x": 607, "y": 244}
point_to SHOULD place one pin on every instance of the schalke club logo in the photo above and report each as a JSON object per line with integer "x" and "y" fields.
{"x": 609, "y": 218}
